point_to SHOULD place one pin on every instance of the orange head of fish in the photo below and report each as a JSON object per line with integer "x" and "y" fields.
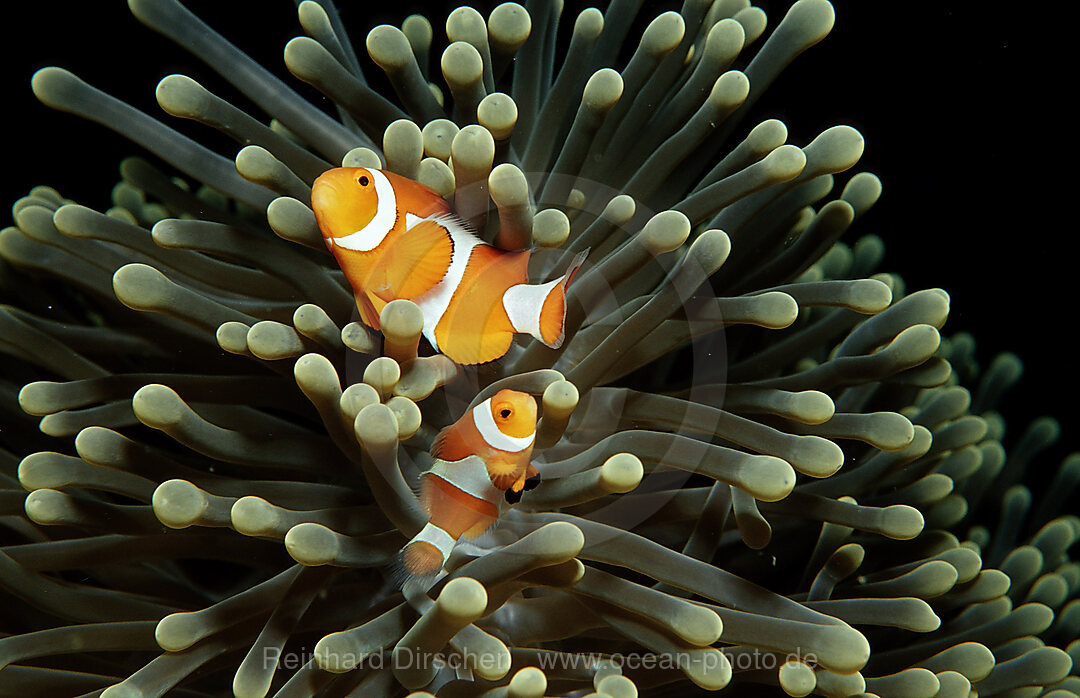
{"x": 514, "y": 413}
{"x": 345, "y": 202}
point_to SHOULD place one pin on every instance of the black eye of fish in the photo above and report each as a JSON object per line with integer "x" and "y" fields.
{"x": 363, "y": 181}
{"x": 504, "y": 414}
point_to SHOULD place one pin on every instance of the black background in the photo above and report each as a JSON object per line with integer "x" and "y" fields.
{"x": 963, "y": 136}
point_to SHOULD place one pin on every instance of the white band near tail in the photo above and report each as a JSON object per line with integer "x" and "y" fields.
{"x": 523, "y": 303}
{"x": 369, "y": 237}
{"x": 488, "y": 429}
{"x": 437, "y": 537}
{"x": 470, "y": 475}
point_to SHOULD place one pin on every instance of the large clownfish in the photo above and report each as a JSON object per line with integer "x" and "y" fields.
{"x": 395, "y": 238}
{"x": 481, "y": 466}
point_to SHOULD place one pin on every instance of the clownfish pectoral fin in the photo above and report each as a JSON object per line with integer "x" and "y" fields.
{"x": 528, "y": 480}
{"x": 413, "y": 262}
{"x": 506, "y": 476}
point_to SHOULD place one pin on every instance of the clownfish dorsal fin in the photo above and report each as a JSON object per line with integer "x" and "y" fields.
{"x": 439, "y": 444}
{"x": 455, "y": 223}
{"x": 412, "y": 261}
{"x": 449, "y": 444}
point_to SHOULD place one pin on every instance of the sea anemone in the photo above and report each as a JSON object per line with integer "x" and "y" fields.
{"x": 765, "y": 469}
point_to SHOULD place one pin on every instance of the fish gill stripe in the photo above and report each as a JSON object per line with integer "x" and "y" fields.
{"x": 523, "y": 303}
{"x": 434, "y": 303}
{"x": 440, "y": 539}
{"x": 384, "y": 220}
{"x": 494, "y": 437}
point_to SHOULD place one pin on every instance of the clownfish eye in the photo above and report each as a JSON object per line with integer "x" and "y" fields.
{"x": 363, "y": 180}
{"x": 504, "y": 413}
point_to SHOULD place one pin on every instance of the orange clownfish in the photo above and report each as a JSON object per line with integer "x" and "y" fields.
{"x": 481, "y": 465}
{"x": 395, "y": 238}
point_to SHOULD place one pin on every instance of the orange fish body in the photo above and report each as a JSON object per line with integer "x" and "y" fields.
{"x": 395, "y": 238}
{"x": 482, "y": 463}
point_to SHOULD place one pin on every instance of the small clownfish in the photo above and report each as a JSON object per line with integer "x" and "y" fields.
{"x": 481, "y": 466}
{"x": 395, "y": 238}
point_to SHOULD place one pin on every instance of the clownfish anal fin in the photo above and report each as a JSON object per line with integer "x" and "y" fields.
{"x": 412, "y": 262}
{"x": 478, "y": 348}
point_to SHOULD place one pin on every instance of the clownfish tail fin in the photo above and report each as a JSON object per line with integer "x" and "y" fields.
{"x": 553, "y": 310}
{"x": 574, "y": 266}
{"x": 421, "y": 559}
{"x": 427, "y": 552}
{"x": 540, "y": 309}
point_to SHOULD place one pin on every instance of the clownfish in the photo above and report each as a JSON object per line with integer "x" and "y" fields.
{"x": 395, "y": 238}
{"x": 481, "y": 466}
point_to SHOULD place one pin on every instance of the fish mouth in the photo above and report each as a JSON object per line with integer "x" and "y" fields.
{"x": 322, "y": 198}
{"x": 322, "y": 191}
